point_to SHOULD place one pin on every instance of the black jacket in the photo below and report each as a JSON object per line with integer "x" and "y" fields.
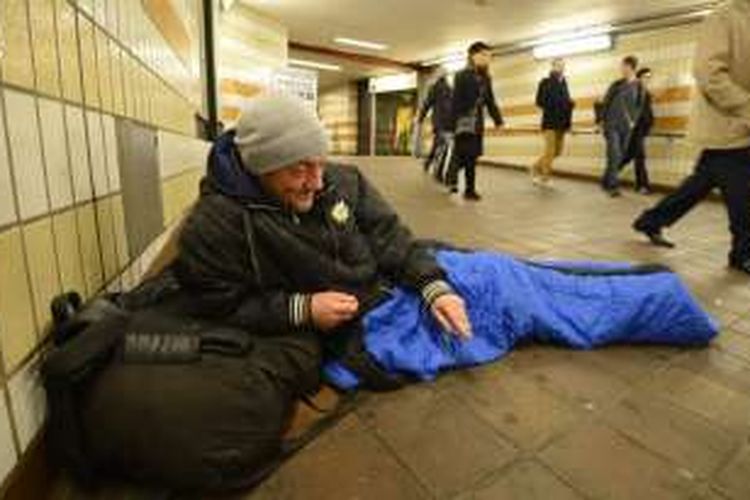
{"x": 474, "y": 90}
{"x": 440, "y": 101}
{"x": 553, "y": 98}
{"x": 471, "y": 90}
{"x": 246, "y": 259}
{"x": 646, "y": 121}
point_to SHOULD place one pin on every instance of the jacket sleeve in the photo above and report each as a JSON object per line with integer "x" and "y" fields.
{"x": 608, "y": 98}
{"x": 213, "y": 267}
{"x": 462, "y": 98}
{"x": 427, "y": 105}
{"x": 712, "y": 71}
{"x": 492, "y": 106}
{"x": 400, "y": 257}
{"x": 541, "y": 94}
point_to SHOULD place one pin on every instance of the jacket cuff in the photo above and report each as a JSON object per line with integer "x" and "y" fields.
{"x": 435, "y": 289}
{"x": 300, "y": 313}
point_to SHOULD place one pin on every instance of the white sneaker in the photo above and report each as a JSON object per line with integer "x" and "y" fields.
{"x": 536, "y": 180}
{"x": 547, "y": 182}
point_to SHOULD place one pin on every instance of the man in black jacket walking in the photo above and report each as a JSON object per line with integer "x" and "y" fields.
{"x": 472, "y": 92}
{"x": 439, "y": 101}
{"x": 553, "y": 98}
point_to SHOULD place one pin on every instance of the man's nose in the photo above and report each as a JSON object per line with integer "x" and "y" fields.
{"x": 316, "y": 178}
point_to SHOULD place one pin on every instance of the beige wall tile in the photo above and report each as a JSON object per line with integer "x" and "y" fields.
{"x": 16, "y": 65}
{"x": 104, "y": 67}
{"x": 7, "y": 201}
{"x": 121, "y": 236}
{"x": 107, "y": 238}
{"x": 118, "y": 97}
{"x": 98, "y": 156}
{"x": 128, "y": 85}
{"x": 68, "y": 46}
{"x": 88, "y": 62}
{"x": 17, "y": 330}
{"x": 79, "y": 160}
{"x": 68, "y": 247}
{"x": 8, "y": 457}
{"x": 87, "y": 6}
{"x": 110, "y": 148}
{"x": 43, "y": 36}
{"x": 55, "y": 153}
{"x": 90, "y": 253}
{"x": 43, "y": 276}
{"x": 28, "y": 402}
{"x": 25, "y": 148}
{"x": 100, "y": 12}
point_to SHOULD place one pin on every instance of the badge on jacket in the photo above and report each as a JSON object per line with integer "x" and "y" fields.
{"x": 340, "y": 213}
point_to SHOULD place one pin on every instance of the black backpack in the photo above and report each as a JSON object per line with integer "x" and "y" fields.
{"x": 149, "y": 394}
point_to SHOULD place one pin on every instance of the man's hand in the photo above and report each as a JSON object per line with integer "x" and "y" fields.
{"x": 330, "y": 310}
{"x": 450, "y": 312}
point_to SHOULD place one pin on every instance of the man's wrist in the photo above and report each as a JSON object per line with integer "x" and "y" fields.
{"x": 300, "y": 310}
{"x": 436, "y": 289}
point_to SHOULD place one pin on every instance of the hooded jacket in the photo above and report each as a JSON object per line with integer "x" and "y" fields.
{"x": 553, "y": 98}
{"x": 246, "y": 259}
{"x": 721, "y": 107}
{"x": 440, "y": 101}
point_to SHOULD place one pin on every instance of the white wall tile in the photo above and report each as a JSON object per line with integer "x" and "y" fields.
{"x": 8, "y": 456}
{"x": 98, "y": 156}
{"x": 28, "y": 402}
{"x": 7, "y": 205}
{"x": 110, "y": 144}
{"x": 55, "y": 153}
{"x": 79, "y": 162}
{"x": 25, "y": 148}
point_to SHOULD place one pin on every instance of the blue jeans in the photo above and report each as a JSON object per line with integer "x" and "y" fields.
{"x": 616, "y": 150}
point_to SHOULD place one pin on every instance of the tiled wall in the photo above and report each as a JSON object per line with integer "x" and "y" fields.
{"x": 69, "y": 73}
{"x": 667, "y": 51}
{"x": 338, "y": 110}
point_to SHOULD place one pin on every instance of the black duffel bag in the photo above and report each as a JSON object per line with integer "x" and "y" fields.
{"x": 162, "y": 399}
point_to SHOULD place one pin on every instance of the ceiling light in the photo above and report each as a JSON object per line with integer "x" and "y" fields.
{"x": 314, "y": 65}
{"x": 573, "y": 46}
{"x": 360, "y": 43}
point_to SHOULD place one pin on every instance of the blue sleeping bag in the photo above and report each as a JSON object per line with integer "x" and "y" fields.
{"x": 580, "y": 305}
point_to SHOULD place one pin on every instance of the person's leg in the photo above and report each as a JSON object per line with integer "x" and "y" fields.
{"x": 557, "y": 140}
{"x": 445, "y": 159}
{"x": 610, "y": 181}
{"x": 642, "y": 182}
{"x": 454, "y": 168}
{"x": 733, "y": 173}
{"x": 673, "y": 207}
{"x": 540, "y": 167}
{"x": 471, "y": 178}
{"x": 433, "y": 151}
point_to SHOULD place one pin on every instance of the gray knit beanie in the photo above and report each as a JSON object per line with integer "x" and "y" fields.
{"x": 275, "y": 132}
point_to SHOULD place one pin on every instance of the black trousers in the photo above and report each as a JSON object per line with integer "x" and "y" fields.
{"x": 728, "y": 170}
{"x": 637, "y": 154}
{"x": 433, "y": 152}
{"x": 467, "y": 163}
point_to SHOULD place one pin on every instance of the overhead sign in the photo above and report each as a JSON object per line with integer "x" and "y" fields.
{"x": 393, "y": 83}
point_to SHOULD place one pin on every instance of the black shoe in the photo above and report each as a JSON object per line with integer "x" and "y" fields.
{"x": 472, "y": 197}
{"x": 453, "y": 189}
{"x": 614, "y": 193}
{"x": 654, "y": 236}
{"x": 741, "y": 266}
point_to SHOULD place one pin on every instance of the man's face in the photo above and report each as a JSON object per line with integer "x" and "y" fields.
{"x": 558, "y": 66}
{"x": 646, "y": 79}
{"x": 627, "y": 71}
{"x": 482, "y": 59}
{"x": 296, "y": 185}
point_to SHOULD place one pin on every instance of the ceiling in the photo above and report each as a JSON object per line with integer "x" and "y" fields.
{"x": 419, "y": 30}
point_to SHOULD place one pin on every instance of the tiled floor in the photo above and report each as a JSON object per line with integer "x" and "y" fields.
{"x": 622, "y": 423}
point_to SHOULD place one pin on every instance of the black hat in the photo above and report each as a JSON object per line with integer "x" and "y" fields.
{"x": 478, "y": 47}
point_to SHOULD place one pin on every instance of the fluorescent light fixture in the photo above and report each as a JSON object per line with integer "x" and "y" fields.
{"x": 573, "y": 46}
{"x": 574, "y": 34}
{"x": 393, "y": 83}
{"x": 360, "y": 43}
{"x": 314, "y": 65}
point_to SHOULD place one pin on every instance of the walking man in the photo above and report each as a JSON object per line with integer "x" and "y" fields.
{"x": 720, "y": 125}
{"x": 471, "y": 94}
{"x": 439, "y": 101}
{"x": 553, "y": 98}
{"x": 621, "y": 110}
{"x": 637, "y": 148}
